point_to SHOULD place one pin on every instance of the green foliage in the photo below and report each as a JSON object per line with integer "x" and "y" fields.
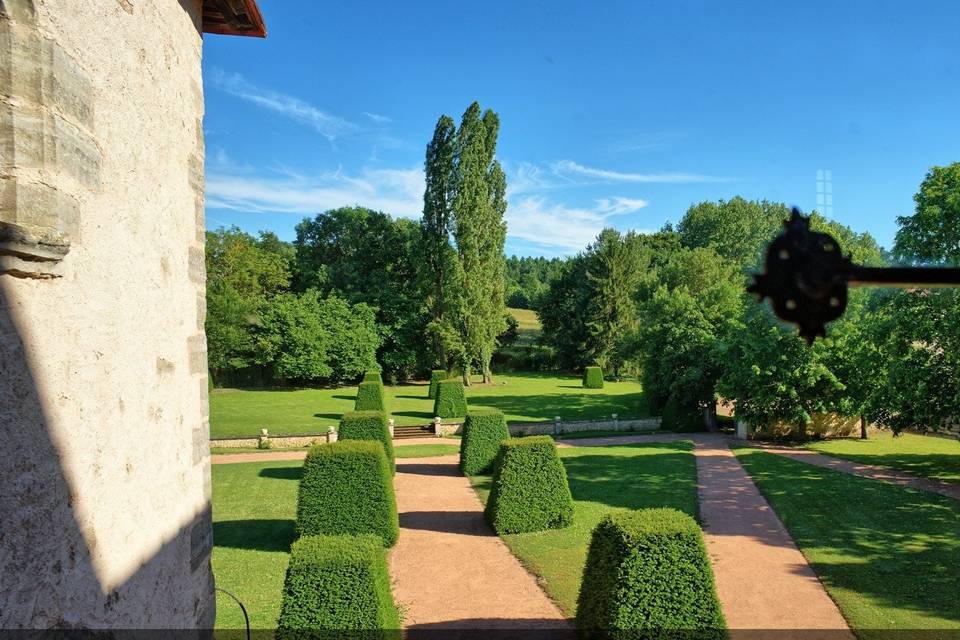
{"x": 243, "y": 273}
{"x": 451, "y": 400}
{"x": 337, "y": 584}
{"x": 529, "y": 490}
{"x": 365, "y": 256}
{"x": 932, "y": 233}
{"x": 347, "y": 488}
{"x": 648, "y": 570}
{"x": 313, "y": 339}
{"x": 592, "y": 378}
{"x": 527, "y": 280}
{"x": 436, "y": 377}
{"x": 372, "y": 376}
{"x": 737, "y": 229}
{"x": 367, "y": 425}
{"x": 483, "y": 431}
{"x": 681, "y": 417}
{"x": 370, "y": 397}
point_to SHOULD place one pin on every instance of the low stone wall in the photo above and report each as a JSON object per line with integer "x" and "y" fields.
{"x": 276, "y": 442}
{"x": 559, "y": 427}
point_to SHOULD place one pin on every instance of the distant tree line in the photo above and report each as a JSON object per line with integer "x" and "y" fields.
{"x": 672, "y": 307}
{"x": 358, "y": 289}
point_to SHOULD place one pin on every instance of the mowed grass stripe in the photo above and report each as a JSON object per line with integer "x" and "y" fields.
{"x": 888, "y": 555}
{"x": 926, "y": 456}
{"x": 523, "y": 397}
{"x": 602, "y": 479}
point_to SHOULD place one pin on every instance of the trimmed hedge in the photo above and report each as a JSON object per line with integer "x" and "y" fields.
{"x": 372, "y": 376}
{"x": 347, "y": 489}
{"x": 648, "y": 570}
{"x": 483, "y": 431}
{"x": 451, "y": 400}
{"x": 593, "y": 378}
{"x": 677, "y": 417}
{"x": 436, "y": 377}
{"x": 370, "y": 397}
{"x": 337, "y": 583}
{"x": 530, "y": 490}
{"x": 367, "y": 425}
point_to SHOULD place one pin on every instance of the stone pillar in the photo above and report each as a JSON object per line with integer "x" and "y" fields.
{"x": 331, "y": 434}
{"x": 556, "y": 425}
{"x": 437, "y": 426}
{"x": 390, "y": 424}
{"x": 743, "y": 430}
{"x": 615, "y": 421}
{"x": 263, "y": 441}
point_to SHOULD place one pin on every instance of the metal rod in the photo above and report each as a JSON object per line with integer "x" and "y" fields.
{"x": 906, "y": 277}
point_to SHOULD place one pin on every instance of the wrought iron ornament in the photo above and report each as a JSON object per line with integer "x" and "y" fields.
{"x": 807, "y": 277}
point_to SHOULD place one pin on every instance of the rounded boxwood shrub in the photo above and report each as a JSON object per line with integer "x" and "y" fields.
{"x": 593, "y": 378}
{"x": 336, "y": 584}
{"x": 436, "y": 377}
{"x": 347, "y": 489}
{"x": 677, "y": 417}
{"x": 648, "y": 570}
{"x": 367, "y": 425}
{"x": 451, "y": 400}
{"x": 370, "y": 397}
{"x": 372, "y": 376}
{"x": 530, "y": 490}
{"x": 483, "y": 431}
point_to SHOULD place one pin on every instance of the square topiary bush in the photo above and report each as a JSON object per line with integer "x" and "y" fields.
{"x": 592, "y": 378}
{"x": 483, "y": 431}
{"x": 372, "y": 376}
{"x": 337, "y": 584}
{"x": 370, "y": 397}
{"x": 451, "y": 400}
{"x": 648, "y": 570}
{"x": 530, "y": 490}
{"x": 436, "y": 377}
{"x": 367, "y": 425}
{"x": 347, "y": 489}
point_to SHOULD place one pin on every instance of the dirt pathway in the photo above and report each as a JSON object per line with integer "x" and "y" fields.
{"x": 874, "y": 472}
{"x": 450, "y": 571}
{"x": 763, "y": 581}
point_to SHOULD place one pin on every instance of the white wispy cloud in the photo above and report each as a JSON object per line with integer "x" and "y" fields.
{"x": 377, "y": 118}
{"x": 571, "y": 168}
{"x": 328, "y": 125}
{"x": 398, "y": 192}
{"x": 539, "y": 221}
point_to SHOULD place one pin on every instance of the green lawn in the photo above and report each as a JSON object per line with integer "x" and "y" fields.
{"x": 254, "y": 507}
{"x": 888, "y": 555}
{"x": 523, "y": 397}
{"x": 602, "y": 479}
{"x": 927, "y": 456}
{"x": 528, "y": 325}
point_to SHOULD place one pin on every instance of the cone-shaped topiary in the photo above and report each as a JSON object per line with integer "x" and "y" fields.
{"x": 592, "y": 378}
{"x": 530, "y": 490}
{"x": 451, "y": 400}
{"x": 337, "y": 584}
{"x": 370, "y": 397}
{"x": 367, "y": 425}
{"x": 347, "y": 489}
{"x": 483, "y": 431}
{"x": 648, "y": 570}
{"x": 372, "y": 376}
{"x": 436, "y": 377}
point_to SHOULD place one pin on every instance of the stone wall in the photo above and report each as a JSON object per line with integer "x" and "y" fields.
{"x": 103, "y": 386}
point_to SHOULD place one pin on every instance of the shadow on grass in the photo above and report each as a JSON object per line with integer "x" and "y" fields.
{"x": 425, "y": 415}
{"x": 259, "y": 535}
{"x": 328, "y": 416}
{"x": 667, "y": 479}
{"x": 928, "y": 465}
{"x": 897, "y": 546}
{"x": 409, "y": 397}
{"x": 341, "y": 397}
{"x": 282, "y": 473}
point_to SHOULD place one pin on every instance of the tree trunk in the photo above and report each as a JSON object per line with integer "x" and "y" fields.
{"x": 466, "y": 375}
{"x": 802, "y": 431}
{"x": 487, "y": 374}
{"x": 863, "y": 427}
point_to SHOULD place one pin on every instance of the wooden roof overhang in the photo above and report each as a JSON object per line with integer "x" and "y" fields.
{"x": 233, "y": 18}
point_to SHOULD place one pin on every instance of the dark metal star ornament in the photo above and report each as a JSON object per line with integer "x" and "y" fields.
{"x": 807, "y": 276}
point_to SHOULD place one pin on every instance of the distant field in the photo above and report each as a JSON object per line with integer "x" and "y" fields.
{"x": 524, "y": 397}
{"x": 528, "y": 325}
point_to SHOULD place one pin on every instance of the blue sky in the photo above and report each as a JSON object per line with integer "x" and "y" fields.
{"x": 617, "y": 114}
